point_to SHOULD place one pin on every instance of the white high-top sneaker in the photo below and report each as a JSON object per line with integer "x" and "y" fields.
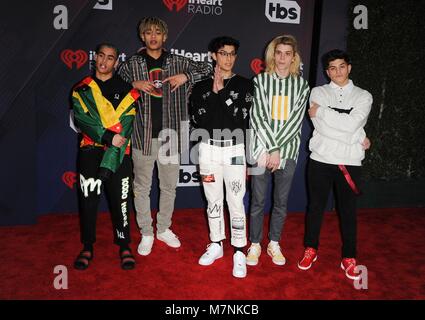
{"x": 239, "y": 265}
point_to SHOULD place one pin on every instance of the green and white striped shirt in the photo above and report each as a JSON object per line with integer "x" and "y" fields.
{"x": 276, "y": 115}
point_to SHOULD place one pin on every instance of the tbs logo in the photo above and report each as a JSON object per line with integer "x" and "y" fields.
{"x": 103, "y": 5}
{"x": 283, "y": 11}
{"x": 189, "y": 177}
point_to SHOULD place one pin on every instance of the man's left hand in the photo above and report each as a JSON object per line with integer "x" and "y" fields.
{"x": 274, "y": 161}
{"x": 366, "y": 143}
{"x": 176, "y": 81}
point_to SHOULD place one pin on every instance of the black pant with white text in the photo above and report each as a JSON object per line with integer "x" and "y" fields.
{"x": 118, "y": 194}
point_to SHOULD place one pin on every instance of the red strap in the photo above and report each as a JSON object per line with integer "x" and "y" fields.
{"x": 350, "y": 181}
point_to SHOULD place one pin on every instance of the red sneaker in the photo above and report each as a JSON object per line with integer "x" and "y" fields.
{"x": 310, "y": 256}
{"x": 348, "y": 265}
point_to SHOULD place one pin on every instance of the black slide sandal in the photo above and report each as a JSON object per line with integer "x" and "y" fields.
{"x": 127, "y": 260}
{"x": 83, "y": 260}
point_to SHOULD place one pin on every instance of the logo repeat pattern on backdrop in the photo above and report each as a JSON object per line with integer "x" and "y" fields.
{"x": 204, "y": 7}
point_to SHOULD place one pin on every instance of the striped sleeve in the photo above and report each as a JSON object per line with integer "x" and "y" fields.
{"x": 196, "y": 71}
{"x": 124, "y": 72}
{"x": 260, "y": 116}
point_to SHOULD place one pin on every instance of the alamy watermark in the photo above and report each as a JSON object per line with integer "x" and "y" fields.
{"x": 60, "y": 282}
{"x": 191, "y": 139}
{"x": 362, "y": 282}
{"x": 361, "y": 20}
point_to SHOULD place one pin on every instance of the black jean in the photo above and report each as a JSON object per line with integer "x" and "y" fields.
{"x": 321, "y": 178}
{"x": 118, "y": 194}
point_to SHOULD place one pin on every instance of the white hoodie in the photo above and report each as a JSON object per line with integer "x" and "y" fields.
{"x": 337, "y": 136}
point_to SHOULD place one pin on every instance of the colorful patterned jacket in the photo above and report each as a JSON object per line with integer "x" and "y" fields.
{"x": 94, "y": 115}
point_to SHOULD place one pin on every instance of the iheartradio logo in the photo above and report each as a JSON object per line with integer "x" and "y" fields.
{"x": 69, "y": 178}
{"x": 257, "y": 65}
{"x": 178, "y": 3}
{"x": 70, "y": 57}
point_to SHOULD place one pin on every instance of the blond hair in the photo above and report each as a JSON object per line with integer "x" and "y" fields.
{"x": 289, "y": 40}
{"x": 149, "y": 22}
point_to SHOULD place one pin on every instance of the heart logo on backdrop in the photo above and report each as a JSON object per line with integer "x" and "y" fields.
{"x": 178, "y": 3}
{"x": 70, "y": 57}
{"x": 257, "y": 65}
{"x": 69, "y": 178}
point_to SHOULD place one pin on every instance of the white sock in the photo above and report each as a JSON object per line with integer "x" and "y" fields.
{"x": 274, "y": 243}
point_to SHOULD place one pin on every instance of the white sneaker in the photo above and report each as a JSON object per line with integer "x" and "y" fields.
{"x": 254, "y": 253}
{"x": 169, "y": 238}
{"x": 239, "y": 265}
{"x": 214, "y": 252}
{"x": 145, "y": 245}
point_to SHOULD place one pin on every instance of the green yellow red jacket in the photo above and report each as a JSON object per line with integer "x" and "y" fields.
{"x": 94, "y": 115}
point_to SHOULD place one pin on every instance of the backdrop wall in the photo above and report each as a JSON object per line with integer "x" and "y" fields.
{"x": 53, "y": 50}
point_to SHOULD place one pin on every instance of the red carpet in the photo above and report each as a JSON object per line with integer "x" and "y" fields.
{"x": 391, "y": 244}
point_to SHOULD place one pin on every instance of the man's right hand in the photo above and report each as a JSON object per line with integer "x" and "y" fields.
{"x": 142, "y": 85}
{"x": 218, "y": 83}
{"x": 118, "y": 140}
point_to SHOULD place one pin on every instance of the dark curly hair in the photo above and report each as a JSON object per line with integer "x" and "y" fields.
{"x": 332, "y": 55}
{"x": 219, "y": 42}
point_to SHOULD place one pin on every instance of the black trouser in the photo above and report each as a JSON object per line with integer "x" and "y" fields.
{"x": 321, "y": 178}
{"x": 118, "y": 194}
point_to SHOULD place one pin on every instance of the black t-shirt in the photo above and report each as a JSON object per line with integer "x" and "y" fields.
{"x": 113, "y": 89}
{"x": 155, "y": 76}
